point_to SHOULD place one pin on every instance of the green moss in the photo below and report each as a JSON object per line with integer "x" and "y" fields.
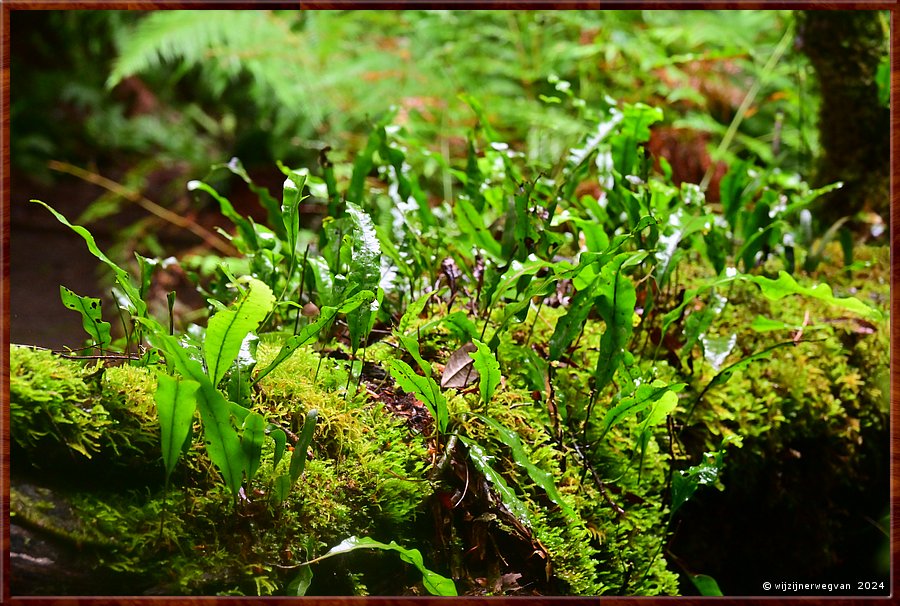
{"x": 127, "y": 393}
{"x": 833, "y": 383}
{"x": 599, "y": 552}
{"x": 366, "y": 477}
{"x": 50, "y": 401}
{"x": 40, "y": 508}
{"x": 370, "y": 470}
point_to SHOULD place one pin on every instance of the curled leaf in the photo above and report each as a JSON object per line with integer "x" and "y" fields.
{"x": 252, "y": 441}
{"x": 459, "y": 371}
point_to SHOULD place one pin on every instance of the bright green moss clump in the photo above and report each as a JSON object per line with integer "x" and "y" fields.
{"x": 366, "y": 477}
{"x": 50, "y": 402}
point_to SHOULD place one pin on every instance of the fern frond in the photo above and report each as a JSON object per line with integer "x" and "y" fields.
{"x": 227, "y": 38}
{"x": 223, "y": 44}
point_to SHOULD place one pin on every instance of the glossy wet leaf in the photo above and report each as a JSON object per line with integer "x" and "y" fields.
{"x": 488, "y": 369}
{"x": 146, "y": 269}
{"x": 633, "y": 129}
{"x": 659, "y": 410}
{"x": 459, "y": 324}
{"x": 520, "y": 232}
{"x": 716, "y": 247}
{"x": 643, "y": 397}
{"x": 577, "y": 156}
{"x": 299, "y": 585}
{"x": 734, "y": 188}
{"x": 459, "y": 371}
{"x": 280, "y": 438}
{"x": 425, "y": 389}
{"x": 91, "y": 321}
{"x": 724, "y": 375}
{"x": 763, "y": 324}
{"x": 472, "y": 228}
{"x": 292, "y": 195}
{"x": 237, "y": 380}
{"x": 518, "y": 310}
{"x": 322, "y": 278}
{"x": 411, "y": 344}
{"x": 252, "y": 440}
{"x": 518, "y": 274}
{"x": 228, "y": 328}
{"x": 434, "y": 583}
{"x": 698, "y": 322}
{"x": 176, "y": 401}
{"x": 755, "y": 246}
{"x": 716, "y": 349}
{"x": 706, "y": 585}
{"x": 222, "y": 442}
{"x": 298, "y": 457}
{"x": 538, "y": 476}
{"x": 616, "y": 299}
{"x": 595, "y": 237}
{"x": 482, "y": 462}
{"x": 686, "y": 481}
{"x": 413, "y": 311}
{"x": 680, "y": 227}
{"x": 569, "y": 326}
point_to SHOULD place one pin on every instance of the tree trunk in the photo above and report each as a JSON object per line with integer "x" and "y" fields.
{"x": 845, "y": 48}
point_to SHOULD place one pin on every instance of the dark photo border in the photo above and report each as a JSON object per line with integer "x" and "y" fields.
{"x": 9, "y": 6}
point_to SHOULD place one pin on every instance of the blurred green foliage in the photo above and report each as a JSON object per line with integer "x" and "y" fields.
{"x": 202, "y": 86}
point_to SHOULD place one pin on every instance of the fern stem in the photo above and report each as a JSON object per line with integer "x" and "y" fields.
{"x": 152, "y": 207}
{"x": 745, "y": 105}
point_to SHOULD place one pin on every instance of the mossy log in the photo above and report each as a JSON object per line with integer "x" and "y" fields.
{"x": 90, "y": 502}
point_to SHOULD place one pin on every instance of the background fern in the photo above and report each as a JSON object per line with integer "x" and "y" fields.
{"x": 224, "y": 46}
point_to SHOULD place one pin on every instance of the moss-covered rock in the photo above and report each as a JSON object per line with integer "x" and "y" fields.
{"x": 365, "y": 477}
{"x": 49, "y": 401}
